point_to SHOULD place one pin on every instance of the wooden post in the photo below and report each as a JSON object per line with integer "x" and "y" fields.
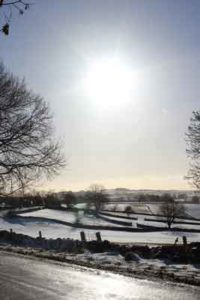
{"x": 185, "y": 249}
{"x": 98, "y": 235}
{"x": 176, "y": 241}
{"x": 184, "y": 241}
{"x": 11, "y": 233}
{"x": 40, "y": 234}
{"x": 83, "y": 238}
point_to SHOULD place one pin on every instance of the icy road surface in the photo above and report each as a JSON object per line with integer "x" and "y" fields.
{"x": 27, "y": 278}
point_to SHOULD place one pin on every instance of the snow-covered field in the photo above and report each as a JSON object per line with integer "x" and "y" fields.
{"x": 193, "y": 210}
{"x": 136, "y": 207}
{"x": 68, "y": 216}
{"x": 142, "y": 217}
{"x": 71, "y": 217}
{"x": 53, "y": 230}
{"x": 146, "y": 220}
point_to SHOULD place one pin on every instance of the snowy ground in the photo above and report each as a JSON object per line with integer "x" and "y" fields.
{"x": 41, "y": 279}
{"x": 108, "y": 258}
{"x": 53, "y": 230}
{"x": 150, "y": 217}
{"x": 192, "y": 210}
{"x": 113, "y": 261}
{"x": 137, "y": 207}
{"x": 150, "y": 267}
{"x": 70, "y": 216}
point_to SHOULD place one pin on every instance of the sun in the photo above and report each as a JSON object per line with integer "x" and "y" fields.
{"x": 109, "y": 81}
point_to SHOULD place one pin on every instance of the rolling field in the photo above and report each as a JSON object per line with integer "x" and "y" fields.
{"x": 51, "y": 229}
{"x": 192, "y": 210}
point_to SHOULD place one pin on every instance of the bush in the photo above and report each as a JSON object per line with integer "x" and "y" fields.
{"x": 131, "y": 256}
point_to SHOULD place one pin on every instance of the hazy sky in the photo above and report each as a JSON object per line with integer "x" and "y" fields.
{"x": 135, "y": 142}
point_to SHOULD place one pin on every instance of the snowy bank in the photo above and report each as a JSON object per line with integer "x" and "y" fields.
{"x": 179, "y": 263}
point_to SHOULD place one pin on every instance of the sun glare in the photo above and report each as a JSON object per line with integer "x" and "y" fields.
{"x": 109, "y": 81}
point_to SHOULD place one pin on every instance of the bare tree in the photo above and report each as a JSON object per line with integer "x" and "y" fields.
{"x": 96, "y": 196}
{"x": 7, "y": 7}
{"x": 193, "y": 149}
{"x": 69, "y": 199}
{"x": 171, "y": 209}
{"x": 28, "y": 149}
{"x": 195, "y": 199}
{"x": 128, "y": 210}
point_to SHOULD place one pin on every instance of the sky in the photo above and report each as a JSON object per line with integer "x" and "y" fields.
{"x": 132, "y": 136}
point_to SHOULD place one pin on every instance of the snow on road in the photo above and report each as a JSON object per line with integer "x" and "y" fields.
{"x": 37, "y": 279}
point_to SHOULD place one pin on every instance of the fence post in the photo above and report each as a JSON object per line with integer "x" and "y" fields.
{"x": 185, "y": 241}
{"x": 185, "y": 249}
{"x": 83, "y": 238}
{"x": 176, "y": 241}
{"x": 40, "y": 234}
{"x": 98, "y": 235}
{"x": 11, "y": 233}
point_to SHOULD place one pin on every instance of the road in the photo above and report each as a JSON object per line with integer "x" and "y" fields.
{"x": 32, "y": 278}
